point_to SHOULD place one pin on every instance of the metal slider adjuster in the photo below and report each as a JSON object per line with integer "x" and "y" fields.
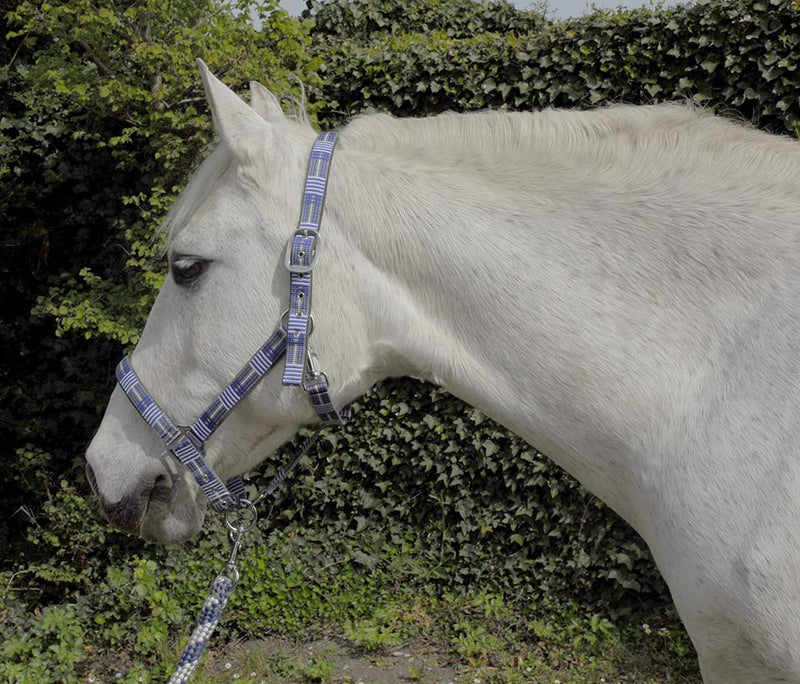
{"x": 285, "y": 317}
{"x": 301, "y": 269}
{"x": 185, "y": 433}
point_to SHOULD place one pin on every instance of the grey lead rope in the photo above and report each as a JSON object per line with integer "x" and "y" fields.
{"x": 225, "y": 582}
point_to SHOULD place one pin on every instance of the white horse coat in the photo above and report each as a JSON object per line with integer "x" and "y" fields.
{"x": 619, "y": 287}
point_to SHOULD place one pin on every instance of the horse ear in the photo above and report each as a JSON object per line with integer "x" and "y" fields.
{"x": 232, "y": 117}
{"x": 264, "y": 102}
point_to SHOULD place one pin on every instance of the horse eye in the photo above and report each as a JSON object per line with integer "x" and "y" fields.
{"x": 185, "y": 270}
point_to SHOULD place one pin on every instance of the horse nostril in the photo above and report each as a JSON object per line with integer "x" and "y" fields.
{"x": 127, "y": 513}
{"x": 162, "y": 488}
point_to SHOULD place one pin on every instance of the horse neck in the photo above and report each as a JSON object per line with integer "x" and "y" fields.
{"x": 524, "y": 282}
{"x": 468, "y": 269}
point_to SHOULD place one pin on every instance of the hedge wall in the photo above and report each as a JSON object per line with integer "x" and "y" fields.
{"x": 363, "y": 20}
{"x": 418, "y": 472}
{"x": 733, "y": 55}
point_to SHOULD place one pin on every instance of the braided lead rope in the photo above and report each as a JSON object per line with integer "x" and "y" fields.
{"x": 223, "y": 585}
{"x": 206, "y": 624}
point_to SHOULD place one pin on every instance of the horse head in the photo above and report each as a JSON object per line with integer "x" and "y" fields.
{"x": 226, "y": 290}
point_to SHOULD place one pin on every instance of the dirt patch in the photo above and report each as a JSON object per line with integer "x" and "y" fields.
{"x": 281, "y": 660}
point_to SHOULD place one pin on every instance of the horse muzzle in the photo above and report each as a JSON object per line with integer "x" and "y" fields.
{"x": 153, "y": 509}
{"x": 127, "y": 513}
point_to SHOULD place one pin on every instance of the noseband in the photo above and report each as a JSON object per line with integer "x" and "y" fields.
{"x": 291, "y": 338}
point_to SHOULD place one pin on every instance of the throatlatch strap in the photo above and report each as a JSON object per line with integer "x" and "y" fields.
{"x": 302, "y": 256}
{"x": 323, "y": 405}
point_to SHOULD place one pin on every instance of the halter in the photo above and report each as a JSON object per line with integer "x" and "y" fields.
{"x": 187, "y": 443}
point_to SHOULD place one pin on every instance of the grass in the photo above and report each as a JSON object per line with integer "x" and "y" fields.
{"x": 363, "y": 622}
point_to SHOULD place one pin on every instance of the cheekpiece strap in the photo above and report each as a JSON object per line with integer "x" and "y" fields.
{"x": 301, "y": 256}
{"x": 238, "y": 388}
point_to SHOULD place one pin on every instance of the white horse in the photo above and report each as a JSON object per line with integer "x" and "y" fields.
{"x": 619, "y": 287}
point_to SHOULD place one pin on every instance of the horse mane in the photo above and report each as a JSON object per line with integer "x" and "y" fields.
{"x": 599, "y": 137}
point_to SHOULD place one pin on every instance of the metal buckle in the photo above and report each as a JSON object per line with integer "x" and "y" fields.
{"x": 242, "y": 519}
{"x": 299, "y": 269}
{"x": 311, "y": 378}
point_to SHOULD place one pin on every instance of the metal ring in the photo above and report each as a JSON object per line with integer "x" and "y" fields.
{"x": 243, "y": 525}
{"x": 234, "y": 574}
{"x": 285, "y": 317}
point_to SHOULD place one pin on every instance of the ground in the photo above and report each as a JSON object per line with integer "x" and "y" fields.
{"x": 282, "y": 660}
{"x": 337, "y": 661}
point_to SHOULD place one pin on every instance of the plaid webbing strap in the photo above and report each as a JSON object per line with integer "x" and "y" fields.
{"x": 323, "y": 405}
{"x": 302, "y": 254}
{"x": 188, "y": 444}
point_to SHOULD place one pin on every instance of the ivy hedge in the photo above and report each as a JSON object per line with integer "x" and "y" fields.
{"x": 102, "y": 118}
{"x": 363, "y": 20}
{"x": 420, "y": 472}
{"x": 735, "y": 56}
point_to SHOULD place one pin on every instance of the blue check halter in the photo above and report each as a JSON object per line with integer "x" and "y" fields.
{"x": 188, "y": 443}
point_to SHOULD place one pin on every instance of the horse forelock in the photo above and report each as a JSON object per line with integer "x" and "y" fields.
{"x": 222, "y": 160}
{"x": 206, "y": 177}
